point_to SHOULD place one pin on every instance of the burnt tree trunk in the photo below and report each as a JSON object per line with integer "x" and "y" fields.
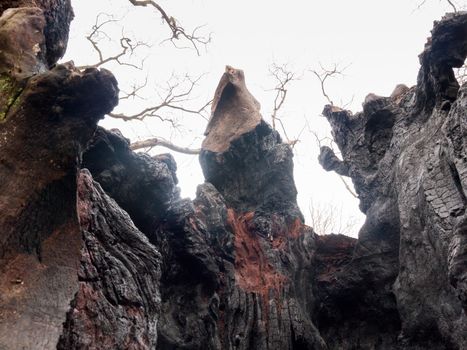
{"x": 64, "y": 257}
{"x": 406, "y": 155}
{"x": 236, "y": 262}
{"x": 122, "y": 262}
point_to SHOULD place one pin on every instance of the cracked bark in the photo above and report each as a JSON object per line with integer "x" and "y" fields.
{"x": 123, "y": 262}
{"x": 406, "y": 157}
{"x": 50, "y": 289}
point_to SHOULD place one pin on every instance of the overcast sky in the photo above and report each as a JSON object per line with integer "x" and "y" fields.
{"x": 378, "y": 42}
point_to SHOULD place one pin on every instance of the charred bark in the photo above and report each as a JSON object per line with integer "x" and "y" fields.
{"x": 71, "y": 267}
{"x": 125, "y": 263}
{"x": 235, "y": 261}
{"x": 406, "y": 157}
{"x": 118, "y": 303}
{"x": 57, "y": 15}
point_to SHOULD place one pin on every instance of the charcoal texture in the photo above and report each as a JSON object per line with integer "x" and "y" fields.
{"x": 99, "y": 251}
{"x": 407, "y": 159}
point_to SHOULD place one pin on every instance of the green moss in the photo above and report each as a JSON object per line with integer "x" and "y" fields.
{"x": 9, "y": 95}
{"x": 6, "y": 83}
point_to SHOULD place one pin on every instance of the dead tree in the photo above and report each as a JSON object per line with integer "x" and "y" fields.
{"x": 173, "y": 96}
{"x": 53, "y": 253}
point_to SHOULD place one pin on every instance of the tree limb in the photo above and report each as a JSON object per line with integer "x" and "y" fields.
{"x": 347, "y": 187}
{"x": 323, "y": 74}
{"x": 126, "y": 45}
{"x": 283, "y": 77}
{"x": 448, "y": 1}
{"x": 157, "y": 141}
{"x": 452, "y": 5}
{"x": 177, "y": 30}
{"x": 175, "y": 97}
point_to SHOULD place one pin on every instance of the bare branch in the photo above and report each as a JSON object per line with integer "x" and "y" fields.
{"x": 177, "y": 30}
{"x": 283, "y": 77}
{"x": 330, "y": 144}
{"x": 345, "y": 105}
{"x": 293, "y": 142}
{"x": 174, "y": 96}
{"x": 452, "y": 5}
{"x": 328, "y": 218}
{"x": 134, "y": 91}
{"x": 156, "y": 141}
{"x": 177, "y": 93}
{"x": 320, "y": 140}
{"x": 323, "y": 74}
{"x": 420, "y": 5}
{"x": 347, "y": 187}
{"x": 127, "y": 46}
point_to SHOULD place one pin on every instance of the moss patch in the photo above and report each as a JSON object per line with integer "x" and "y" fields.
{"x": 10, "y": 92}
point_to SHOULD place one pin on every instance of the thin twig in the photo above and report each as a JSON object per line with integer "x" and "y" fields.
{"x": 177, "y": 30}
{"x": 283, "y": 78}
{"x": 127, "y": 46}
{"x": 323, "y": 74}
{"x": 347, "y": 186}
{"x": 452, "y": 5}
{"x": 448, "y": 1}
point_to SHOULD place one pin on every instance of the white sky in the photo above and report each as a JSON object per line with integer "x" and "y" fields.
{"x": 379, "y": 41}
